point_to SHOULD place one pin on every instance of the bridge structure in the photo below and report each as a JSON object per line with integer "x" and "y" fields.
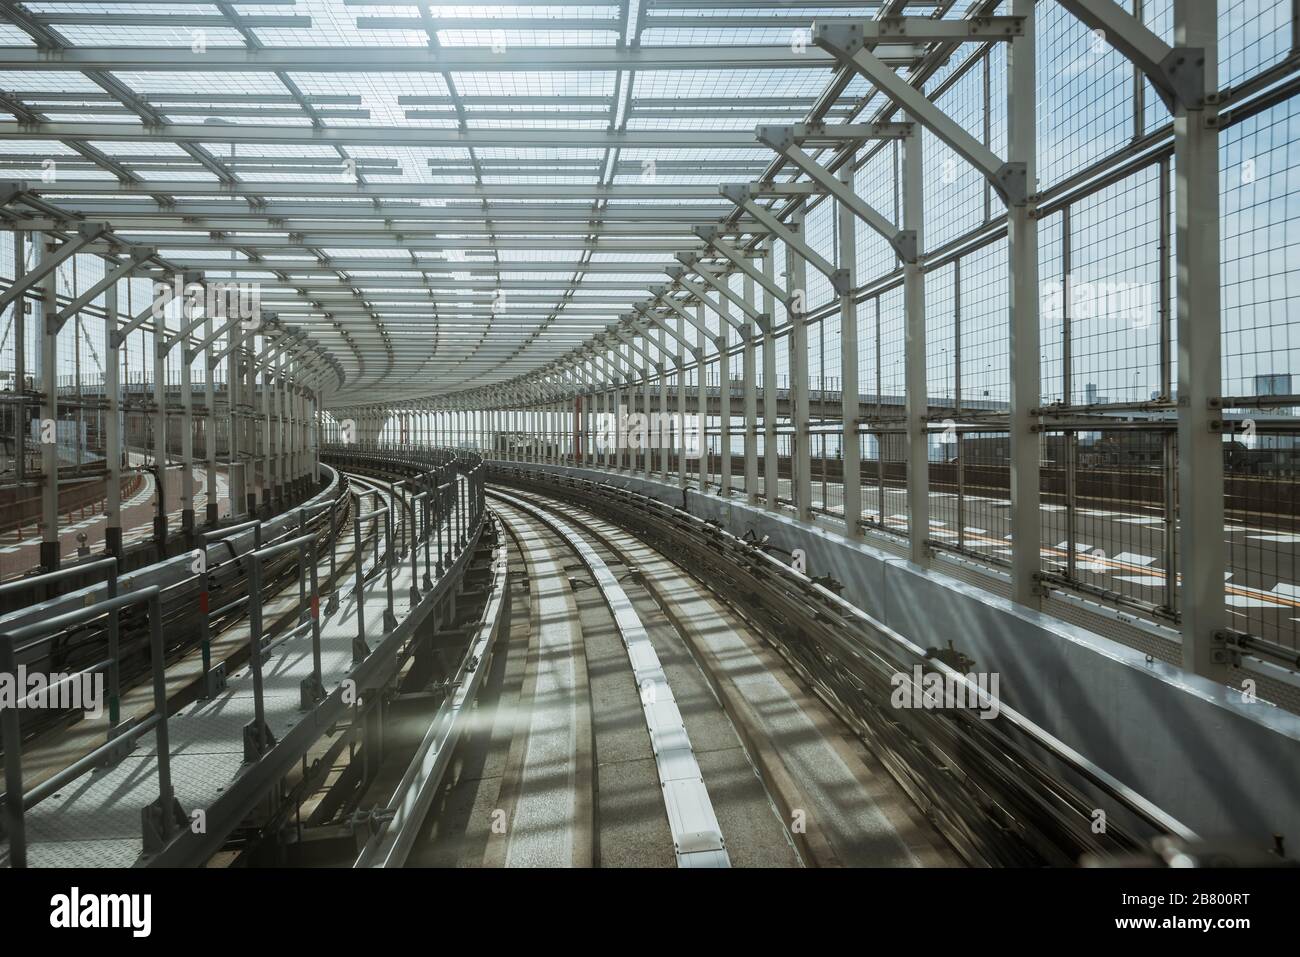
{"x": 661, "y": 433}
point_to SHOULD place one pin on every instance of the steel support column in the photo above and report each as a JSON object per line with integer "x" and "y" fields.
{"x": 916, "y": 401}
{"x": 112, "y": 428}
{"x": 850, "y": 449}
{"x": 800, "y": 451}
{"x": 702, "y": 383}
{"x": 49, "y": 411}
{"x": 1025, "y": 393}
{"x": 1202, "y": 555}
{"x": 749, "y": 386}
{"x": 771, "y": 451}
{"x": 724, "y": 399}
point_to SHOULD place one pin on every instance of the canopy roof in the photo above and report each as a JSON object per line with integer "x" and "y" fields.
{"x": 441, "y": 196}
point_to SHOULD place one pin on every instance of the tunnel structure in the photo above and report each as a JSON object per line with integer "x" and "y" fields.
{"x": 658, "y": 433}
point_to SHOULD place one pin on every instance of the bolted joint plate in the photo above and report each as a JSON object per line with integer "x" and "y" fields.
{"x": 9, "y": 191}
{"x": 904, "y": 243}
{"x": 842, "y": 282}
{"x": 687, "y": 259}
{"x": 674, "y": 271}
{"x": 779, "y": 138}
{"x": 1010, "y": 183}
{"x": 707, "y": 233}
{"x": 738, "y": 193}
{"x": 1184, "y": 73}
{"x": 840, "y": 39}
{"x": 92, "y": 231}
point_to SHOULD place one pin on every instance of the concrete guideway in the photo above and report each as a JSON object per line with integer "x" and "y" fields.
{"x": 840, "y": 804}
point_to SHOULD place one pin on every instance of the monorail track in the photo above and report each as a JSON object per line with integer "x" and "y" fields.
{"x": 570, "y": 763}
{"x": 1000, "y": 792}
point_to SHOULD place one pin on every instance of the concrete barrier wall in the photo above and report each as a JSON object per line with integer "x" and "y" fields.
{"x": 1222, "y": 766}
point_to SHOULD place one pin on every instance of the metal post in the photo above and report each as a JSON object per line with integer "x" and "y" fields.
{"x": 166, "y": 813}
{"x": 916, "y": 401}
{"x": 234, "y": 491}
{"x": 390, "y": 556}
{"x": 800, "y": 453}
{"x": 21, "y": 423}
{"x": 257, "y": 735}
{"x": 160, "y": 522}
{"x": 724, "y": 396}
{"x": 213, "y": 507}
{"x": 850, "y": 443}
{"x": 647, "y": 462}
{"x": 1202, "y": 556}
{"x": 771, "y": 459}
{"x": 1025, "y": 391}
{"x": 750, "y": 388}
{"x": 313, "y": 686}
{"x": 49, "y": 414}
{"x": 112, "y": 427}
{"x": 359, "y": 647}
{"x": 250, "y": 422}
{"x": 11, "y": 739}
{"x": 702, "y": 397}
{"x": 187, "y": 430}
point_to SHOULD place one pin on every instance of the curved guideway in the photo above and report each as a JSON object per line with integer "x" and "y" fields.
{"x": 838, "y": 804}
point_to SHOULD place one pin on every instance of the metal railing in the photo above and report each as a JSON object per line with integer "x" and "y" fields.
{"x": 160, "y": 819}
{"x": 448, "y": 505}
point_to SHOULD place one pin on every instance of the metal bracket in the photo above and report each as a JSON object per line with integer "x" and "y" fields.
{"x": 258, "y": 739}
{"x": 11, "y": 190}
{"x": 152, "y": 818}
{"x": 904, "y": 243}
{"x": 215, "y": 681}
{"x": 122, "y": 746}
{"x": 840, "y": 36}
{"x": 310, "y": 693}
{"x": 1011, "y": 181}
{"x": 1184, "y": 72}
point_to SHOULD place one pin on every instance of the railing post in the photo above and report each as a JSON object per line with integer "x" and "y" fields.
{"x": 359, "y": 647}
{"x": 438, "y": 502}
{"x": 332, "y": 603}
{"x": 11, "y": 738}
{"x": 312, "y": 689}
{"x": 257, "y": 736}
{"x": 114, "y": 669}
{"x": 415, "y": 560}
{"x": 160, "y": 819}
{"x": 390, "y": 619}
{"x": 302, "y": 571}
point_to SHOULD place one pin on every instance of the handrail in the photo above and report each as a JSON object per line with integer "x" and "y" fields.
{"x": 459, "y": 500}
{"x": 160, "y": 818}
{"x": 258, "y": 738}
{"x": 108, "y": 565}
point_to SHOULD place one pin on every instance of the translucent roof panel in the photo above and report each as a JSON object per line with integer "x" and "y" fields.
{"x": 516, "y": 177}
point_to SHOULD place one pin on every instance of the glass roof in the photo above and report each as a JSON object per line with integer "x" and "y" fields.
{"x": 439, "y": 180}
